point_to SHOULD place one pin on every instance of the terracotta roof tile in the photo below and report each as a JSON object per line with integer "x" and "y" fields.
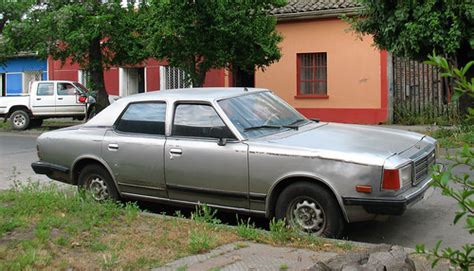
{"x": 307, "y": 6}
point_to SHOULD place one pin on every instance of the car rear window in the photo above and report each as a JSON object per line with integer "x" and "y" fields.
{"x": 145, "y": 118}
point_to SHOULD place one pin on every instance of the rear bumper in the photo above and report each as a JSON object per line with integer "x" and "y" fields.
{"x": 53, "y": 171}
{"x": 389, "y": 206}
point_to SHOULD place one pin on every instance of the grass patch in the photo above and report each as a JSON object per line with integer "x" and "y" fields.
{"x": 428, "y": 115}
{"x": 42, "y": 227}
{"x": 247, "y": 230}
{"x": 454, "y": 137}
{"x": 48, "y": 125}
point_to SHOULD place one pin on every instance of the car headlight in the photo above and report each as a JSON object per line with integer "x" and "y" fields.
{"x": 406, "y": 175}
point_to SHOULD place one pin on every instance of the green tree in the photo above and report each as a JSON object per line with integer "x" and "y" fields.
{"x": 93, "y": 33}
{"x": 10, "y": 10}
{"x": 417, "y": 28}
{"x": 197, "y": 36}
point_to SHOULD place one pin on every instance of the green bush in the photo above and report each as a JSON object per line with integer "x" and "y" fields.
{"x": 459, "y": 187}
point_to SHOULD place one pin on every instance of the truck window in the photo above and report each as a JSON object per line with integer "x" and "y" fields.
{"x": 66, "y": 89}
{"x": 45, "y": 89}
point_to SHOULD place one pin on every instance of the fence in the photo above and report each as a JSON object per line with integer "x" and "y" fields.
{"x": 419, "y": 92}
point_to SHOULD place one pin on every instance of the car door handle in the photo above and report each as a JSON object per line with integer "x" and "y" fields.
{"x": 175, "y": 152}
{"x": 60, "y": 98}
{"x": 38, "y": 99}
{"x": 113, "y": 147}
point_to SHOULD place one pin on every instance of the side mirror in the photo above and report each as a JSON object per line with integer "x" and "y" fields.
{"x": 222, "y": 133}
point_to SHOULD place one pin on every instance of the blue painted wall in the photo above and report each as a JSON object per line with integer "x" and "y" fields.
{"x": 14, "y": 68}
{"x": 22, "y": 64}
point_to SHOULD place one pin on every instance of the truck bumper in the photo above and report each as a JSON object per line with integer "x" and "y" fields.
{"x": 53, "y": 171}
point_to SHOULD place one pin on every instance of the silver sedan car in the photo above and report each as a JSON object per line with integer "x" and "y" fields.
{"x": 242, "y": 150}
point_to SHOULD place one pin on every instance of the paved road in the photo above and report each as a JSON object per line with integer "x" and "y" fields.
{"x": 17, "y": 152}
{"x": 427, "y": 222}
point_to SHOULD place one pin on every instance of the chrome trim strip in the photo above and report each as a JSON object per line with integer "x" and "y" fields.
{"x": 215, "y": 192}
{"x": 189, "y": 203}
{"x": 142, "y": 186}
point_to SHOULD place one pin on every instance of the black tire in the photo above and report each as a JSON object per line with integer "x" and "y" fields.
{"x": 92, "y": 177}
{"x": 35, "y": 123}
{"x": 301, "y": 196}
{"x": 19, "y": 120}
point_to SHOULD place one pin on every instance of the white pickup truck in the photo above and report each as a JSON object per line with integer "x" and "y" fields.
{"x": 47, "y": 99}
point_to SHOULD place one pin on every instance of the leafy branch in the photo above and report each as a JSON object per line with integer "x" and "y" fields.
{"x": 459, "y": 187}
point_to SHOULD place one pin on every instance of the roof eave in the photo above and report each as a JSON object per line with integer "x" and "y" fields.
{"x": 317, "y": 14}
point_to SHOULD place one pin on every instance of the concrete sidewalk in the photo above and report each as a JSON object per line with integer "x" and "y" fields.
{"x": 252, "y": 256}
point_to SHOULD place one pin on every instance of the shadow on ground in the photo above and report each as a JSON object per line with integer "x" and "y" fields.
{"x": 233, "y": 219}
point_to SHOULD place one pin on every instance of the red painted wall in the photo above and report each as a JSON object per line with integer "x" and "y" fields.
{"x": 68, "y": 71}
{"x": 215, "y": 78}
{"x": 58, "y": 71}
{"x": 111, "y": 78}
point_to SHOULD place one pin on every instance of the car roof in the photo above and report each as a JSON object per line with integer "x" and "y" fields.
{"x": 108, "y": 116}
{"x": 194, "y": 94}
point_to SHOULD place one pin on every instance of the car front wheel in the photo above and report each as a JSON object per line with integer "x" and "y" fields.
{"x": 310, "y": 209}
{"x": 97, "y": 181}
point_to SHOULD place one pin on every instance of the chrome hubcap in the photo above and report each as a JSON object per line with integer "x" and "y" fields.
{"x": 98, "y": 189}
{"x": 308, "y": 216}
{"x": 19, "y": 120}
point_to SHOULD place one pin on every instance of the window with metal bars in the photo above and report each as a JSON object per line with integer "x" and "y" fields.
{"x": 312, "y": 75}
{"x": 172, "y": 78}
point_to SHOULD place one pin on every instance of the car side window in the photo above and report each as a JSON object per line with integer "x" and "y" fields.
{"x": 145, "y": 118}
{"x": 66, "y": 89}
{"x": 45, "y": 89}
{"x": 198, "y": 120}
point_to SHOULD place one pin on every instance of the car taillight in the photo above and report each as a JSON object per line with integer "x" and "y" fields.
{"x": 391, "y": 179}
{"x": 82, "y": 99}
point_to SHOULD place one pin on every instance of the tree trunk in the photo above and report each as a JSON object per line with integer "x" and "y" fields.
{"x": 201, "y": 72}
{"x": 96, "y": 70}
{"x": 463, "y": 57}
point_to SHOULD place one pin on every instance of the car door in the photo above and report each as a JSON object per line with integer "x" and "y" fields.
{"x": 134, "y": 149}
{"x": 197, "y": 168}
{"x": 67, "y": 101}
{"x": 44, "y": 101}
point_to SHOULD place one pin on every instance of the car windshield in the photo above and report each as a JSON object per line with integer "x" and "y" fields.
{"x": 261, "y": 114}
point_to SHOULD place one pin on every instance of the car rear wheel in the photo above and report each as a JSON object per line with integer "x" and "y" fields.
{"x": 97, "y": 181}
{"x": 19, "y": 120}
{"x": 310, "y": 209}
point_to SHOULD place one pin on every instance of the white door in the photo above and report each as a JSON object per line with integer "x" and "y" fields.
{"x": 132, "y": 82}
{"x": 129, "y": 80}
{"x": 67, "y": 101}
{"x": 44, "y": 102}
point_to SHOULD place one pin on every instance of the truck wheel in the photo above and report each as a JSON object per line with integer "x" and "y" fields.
{"x": 19, "y": 120}
{"x": 96, "y": 180}
{"x": 35, "y": 123}
{"x": 310, "y": 208}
